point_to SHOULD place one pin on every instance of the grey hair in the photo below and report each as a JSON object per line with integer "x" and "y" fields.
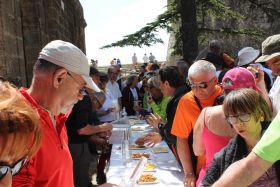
{"x": 130, "y": 79}
{"x": 201, "y": 66}
{"x": 153, "y": 82}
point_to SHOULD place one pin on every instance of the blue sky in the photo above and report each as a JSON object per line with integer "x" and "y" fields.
{"x": 109, "y": 20}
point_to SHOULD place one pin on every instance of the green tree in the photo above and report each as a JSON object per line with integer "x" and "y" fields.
{"x": 193, "y": 16}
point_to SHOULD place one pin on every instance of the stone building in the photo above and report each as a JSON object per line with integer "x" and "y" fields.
{"x": 27, "y": 25}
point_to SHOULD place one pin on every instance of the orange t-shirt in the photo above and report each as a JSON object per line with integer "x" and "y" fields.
{"x": 186, "y": 115}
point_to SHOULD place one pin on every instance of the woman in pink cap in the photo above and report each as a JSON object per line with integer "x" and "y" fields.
{"x": 211, "y": 131}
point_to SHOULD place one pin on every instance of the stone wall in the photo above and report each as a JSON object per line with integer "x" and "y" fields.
{"x": 27, "y": 25}
{"x": 254, "y": 18}
{"x": 11, "y": 43}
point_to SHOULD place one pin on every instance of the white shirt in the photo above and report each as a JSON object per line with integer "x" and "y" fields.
{"x": 274, "y": 94}
{"x": 113, "y": 90}
{"x": 134, "y": 93}
{"x": 134, "y": 59}
{"x": 113, "y": 93}
{"x": 145, "y": 58}
{"x": 106, "y": 105}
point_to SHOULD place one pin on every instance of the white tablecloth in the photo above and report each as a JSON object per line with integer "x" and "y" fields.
{"x": 168, "y": 171}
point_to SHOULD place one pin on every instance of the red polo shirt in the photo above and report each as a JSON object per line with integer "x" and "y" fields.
{"x": 52, "y": 165}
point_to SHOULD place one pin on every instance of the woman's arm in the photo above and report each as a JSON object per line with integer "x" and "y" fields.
{"x": 261, "y": 84}
{"x": 198, "y": 146}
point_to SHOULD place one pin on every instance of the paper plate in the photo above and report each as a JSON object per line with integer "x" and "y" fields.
{"x": 143, "y": 182}
{"x": 160, "y": 150}
{"x": 140, "y": 155}
{"x": 150, "y": 167}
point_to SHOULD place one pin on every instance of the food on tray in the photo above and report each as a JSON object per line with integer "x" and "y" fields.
{"x": 160, "y": 149}
{"x": 149, "y": 167}
{"x": 135, "y": 146}
{"x": 147, "y": 178}
{"x": 139, "y": 155}
{"x": 140, "y": 141}
{"x": 136, "y": 128}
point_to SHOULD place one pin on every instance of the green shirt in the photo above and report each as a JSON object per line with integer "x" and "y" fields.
{"x": 145, "y": 102}
{"x": 160, "y": 108}
{"x": 268, "y": 148}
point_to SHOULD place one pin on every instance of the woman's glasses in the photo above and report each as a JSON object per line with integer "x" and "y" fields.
{"x": 242, "y": 118}
{"x": 15, "y": 169}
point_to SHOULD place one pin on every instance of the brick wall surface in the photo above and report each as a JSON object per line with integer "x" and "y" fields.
{"x": 27, "y": 25}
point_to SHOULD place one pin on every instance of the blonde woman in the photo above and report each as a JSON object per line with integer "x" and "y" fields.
{"x": 20, "y": 132}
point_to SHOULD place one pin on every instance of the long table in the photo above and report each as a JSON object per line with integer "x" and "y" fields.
{"x": 168, "y": 171}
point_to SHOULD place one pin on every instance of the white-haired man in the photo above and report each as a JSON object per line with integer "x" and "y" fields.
{"x": 203, "y": 82}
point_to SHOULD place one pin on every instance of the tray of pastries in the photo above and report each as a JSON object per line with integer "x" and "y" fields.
{"x": 139, "y": 155}
{"x": 147, "y": 179}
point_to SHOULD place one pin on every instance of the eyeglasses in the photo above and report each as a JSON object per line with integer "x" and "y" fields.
{"x": 242, "y": 118}
{"x": 82, "y": 90}
{"x": 202, "y": 85}
{"x": 15, "y": 169}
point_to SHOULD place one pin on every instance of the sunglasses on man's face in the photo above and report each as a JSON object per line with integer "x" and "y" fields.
{"x": 242, "y": 118}
{"x": 202, "y": 85}
{"x": 15, "y": 169}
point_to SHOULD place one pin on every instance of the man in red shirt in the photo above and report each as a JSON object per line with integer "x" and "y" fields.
{"x": 60, "y": 76}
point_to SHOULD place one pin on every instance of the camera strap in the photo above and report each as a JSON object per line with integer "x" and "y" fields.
{"x": 198, "y": 103}
{"x": 215, "y": 103}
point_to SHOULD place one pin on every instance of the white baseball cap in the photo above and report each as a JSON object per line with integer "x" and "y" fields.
{"x": 70, "y": 57}
{"x": 247, "y": 55}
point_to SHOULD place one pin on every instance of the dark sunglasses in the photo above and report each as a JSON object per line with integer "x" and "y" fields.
{"x": 242, "y": 118}
{"x": 15, "y": 169}
{"x": 202, "y": 85}
{"x": 82, "y": 90}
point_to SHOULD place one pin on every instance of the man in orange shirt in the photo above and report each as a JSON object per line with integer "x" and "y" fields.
{"x": 203, "y": 82}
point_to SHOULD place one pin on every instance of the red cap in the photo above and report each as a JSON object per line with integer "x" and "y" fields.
{"x": 239, "y": 78}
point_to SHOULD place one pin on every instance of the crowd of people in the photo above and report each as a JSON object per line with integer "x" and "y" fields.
{"x": 218, "y": 116}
